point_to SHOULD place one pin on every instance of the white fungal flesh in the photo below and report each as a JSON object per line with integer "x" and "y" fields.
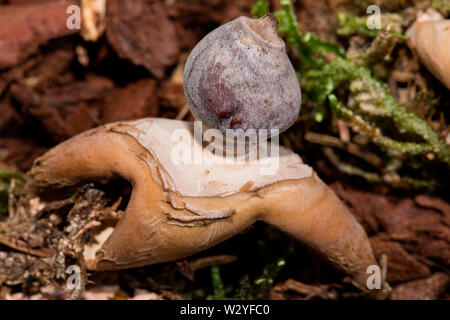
{"x": 202, "y": 177}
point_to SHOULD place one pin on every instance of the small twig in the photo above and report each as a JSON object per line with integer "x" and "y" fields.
{"x": 391, "y": 178}
{"x": 189, "y": 268}
{"x": 350, "y": 147}
{"x": 349, "y": 169}
{"x": 183, "y": 112}
{"x": 326, "y": 292}
{"x": 22, "y": 247}
{"x": 207, "y": 262}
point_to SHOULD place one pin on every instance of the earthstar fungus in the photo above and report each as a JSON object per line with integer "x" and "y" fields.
{"x": 177, "y": 209}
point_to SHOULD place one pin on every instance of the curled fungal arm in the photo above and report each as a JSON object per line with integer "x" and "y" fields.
{"x": 177, "y": 210}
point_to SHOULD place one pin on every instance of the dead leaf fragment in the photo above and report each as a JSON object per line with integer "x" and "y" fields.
{"x": 130, "y": 28}
{"x": 426, "y": 289}
{"x": 24, "y": 27}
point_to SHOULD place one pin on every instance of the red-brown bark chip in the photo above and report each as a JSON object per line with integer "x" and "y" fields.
{"x": 401, "y": 265}
{"x": 421, "y": 226}
{"x": 64, "y": 111}
{"x": 436, "y": 203}
{"x": 19, "y": 153}
{"x": 426, "y": 289}
{"x": 136, "y": 100}
{"x": 141, "y": 32}
{"x": 421, "y": 230}
{"x": 23, "y": 28}
{"x": 406, "y": 217}
{"x": 172, "y": 95}
{"x": 362, "y": 204}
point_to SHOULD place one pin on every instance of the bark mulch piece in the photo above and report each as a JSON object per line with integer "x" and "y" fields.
{"x": 402, "y": 266}
{"x": 19, "y": 153}
{"x": 136, "y": 100}
{"x": 130, "y": 28}
{"x": 65, "y": 110}
{"x": 430, "y": 288}
{"x": 23, "y": 28}
{"x": 413, "y": 233}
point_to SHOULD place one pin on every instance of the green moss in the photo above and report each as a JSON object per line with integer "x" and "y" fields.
{"x": 323, "y": 79}
{"x": 260, "y": 8}
{"x": 6, "y": 176}
{"x": 350, "y": 24}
